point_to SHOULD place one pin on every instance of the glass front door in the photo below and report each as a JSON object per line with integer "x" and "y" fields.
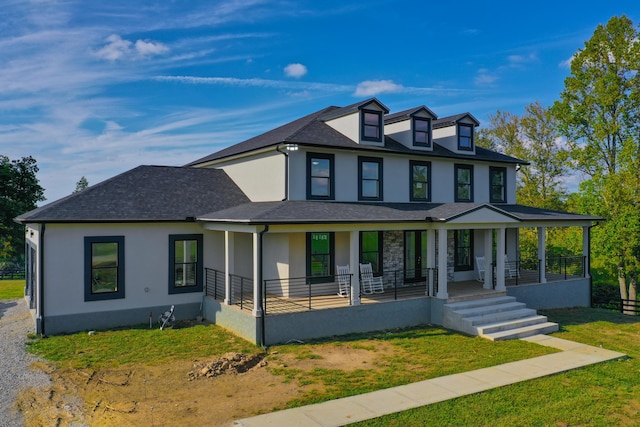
{"x": 415, "y": 255}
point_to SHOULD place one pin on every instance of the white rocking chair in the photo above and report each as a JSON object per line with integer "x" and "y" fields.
{"x": 369, "y": 283}
{"x": 510, "y": 270}
{"x": 480, "y": 262}
{"x": 343, "y": 274}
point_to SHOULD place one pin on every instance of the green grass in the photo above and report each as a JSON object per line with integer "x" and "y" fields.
{"x": 599, "y": 395}
{"x": 11, "y": 289}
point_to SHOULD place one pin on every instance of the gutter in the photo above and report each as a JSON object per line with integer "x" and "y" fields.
{"x": 261, "y": 339}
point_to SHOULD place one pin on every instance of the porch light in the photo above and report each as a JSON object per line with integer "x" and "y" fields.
{"x": 291, "y": 147}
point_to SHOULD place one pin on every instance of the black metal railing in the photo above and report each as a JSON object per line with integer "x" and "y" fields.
{"x": 241, "y": 288}
{"x": 12, "y": 274}
{"x": 214, "y": 283}
{"x": 567, "y": 266}
{"x": 401, "y": 284}
{"x": 529, "y": 271}
{"x": 306, "y": 293}
{"x": 630, "y": 307}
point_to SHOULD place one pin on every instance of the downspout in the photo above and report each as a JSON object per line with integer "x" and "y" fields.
{"x": 286, "y": 172}
{"x": 41, "y": 277}
{"x": 261, "y": 341}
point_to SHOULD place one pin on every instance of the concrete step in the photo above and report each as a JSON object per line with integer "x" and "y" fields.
{"x": 488, "y": 309}
{"x": 526, "y": 331}
{"x": 489, "y": 328}
{"x": 479, "y": 302}
{"x": 500, "y": 316}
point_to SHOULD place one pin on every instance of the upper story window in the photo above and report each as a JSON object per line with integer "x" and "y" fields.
{"x": 372, "y": 125}
{"x": 370, "y": 176}
{"x": 465, "y": 136}
{"x": 103, "y": 268}
{"x": 421, "y": 132}
{"x": 498, "y": 183}
{"x": 320, "y": 176}
{"x": 464, "y": 183}
{"x": 185, "y": 263}
{"x": 420, "y": 181}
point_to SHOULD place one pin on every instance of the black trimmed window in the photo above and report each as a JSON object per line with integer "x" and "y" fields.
{"x": 320, "y": 257}
{"x": 420, "y": 181}
{"x": 371, "y": 250}
{"x": 465, "y": 137}
{"x": 370, "y": 178}
{"x": 463, "y": 252}
{"x": 421, "y": 132}
{"x": 185, "y": 263}
{"x": 103, "y": 268}
{"x": 464, "y": 183}
{"x": 498, "y": 185}
{"x": 320, "y": 176}
{"x": 372, "y": 125}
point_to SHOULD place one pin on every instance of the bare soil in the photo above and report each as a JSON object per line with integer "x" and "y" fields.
{"x": 188, "y": 393}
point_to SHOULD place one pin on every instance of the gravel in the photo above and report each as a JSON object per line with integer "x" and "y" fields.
{"x": 15, "y": 323}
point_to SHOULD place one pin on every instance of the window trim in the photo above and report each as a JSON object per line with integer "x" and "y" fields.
{"x": 173, "y": 289}
{"x": 379, "y": 251}
{"x": 456, "y": 265}
{"x": 332, "y": 258}
{"x": 503, "y": 170}
{"x": 378, "y": 160}
{"x": 421, "y": 119}
{"x": 88, "y": 267}
{"x": 331, "y": 158}
{"x": 363, "y": 125}
{"x": 413, "y": 163}
{"x": 471, "y": 139}
{"x": 470, "y": 168}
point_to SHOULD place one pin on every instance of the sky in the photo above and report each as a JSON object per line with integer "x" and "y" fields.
{"x": 95, "y": 88}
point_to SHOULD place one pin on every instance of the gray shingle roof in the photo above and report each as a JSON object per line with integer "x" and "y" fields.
{"x": 145, "y": 193}
{"x": 406, "y": 114}
{"x": 452, "y": 120}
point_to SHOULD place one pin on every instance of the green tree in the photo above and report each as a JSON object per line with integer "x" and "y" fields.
{"x": 20, "y": 192}
{"x": 81, "y": 185}
{"x": 599, "y": 111}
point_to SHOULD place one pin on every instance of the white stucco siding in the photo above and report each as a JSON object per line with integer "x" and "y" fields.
{"x": 396, "y": 179}
{"x": 447, "y": 137}
{"x": 442, "y": 182}
{"x": 276, "y": 258}
{"x": 481, "y": 183}
{"x": 348, "y": 125}
{"x": 243, "y": 255}
{"x": 298, "y": 254}
{"x": 260, "y": 177}
{"x": 146, "y": 251}
{"x": 401, "y": 132}
{"x": 346, "y": 169}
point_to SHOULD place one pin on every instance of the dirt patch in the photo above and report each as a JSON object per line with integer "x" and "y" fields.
{"x": 210, "y": 392}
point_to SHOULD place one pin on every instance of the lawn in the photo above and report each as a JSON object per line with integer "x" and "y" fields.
{"x": 11, "y": 289}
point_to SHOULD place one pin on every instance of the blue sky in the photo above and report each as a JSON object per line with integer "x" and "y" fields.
{"x": 94, "y": 88}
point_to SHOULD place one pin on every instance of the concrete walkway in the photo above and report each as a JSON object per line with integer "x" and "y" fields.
{"x": 340, "y": 412}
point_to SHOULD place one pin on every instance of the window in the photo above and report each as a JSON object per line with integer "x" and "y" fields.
{"x": 465, "y": 137}
{"x": 372, "y": 125}
{"x": 421, "y": 132}
{"x": 420, "y": 181}
{"x": 370, "y": 173}
{"x": 464, "y": 183}
{"x": 371, "y": 250}
{"x": 463, "y": 255}
{"x": 497, "y": 181}
{"x": 320, "y": 174}
{"x": 185, "y": 263}
{"x": 320, "y": 260}
{"x": 103, "y": 268}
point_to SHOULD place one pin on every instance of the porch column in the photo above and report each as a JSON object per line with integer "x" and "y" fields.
{"x": 354, "y": 263}
{"x": 500, "y": 285}
{"x": 257, "y": 276}
{"x": 229, "y": 261}
{"x": 442, "y": 264}
{"x": 488, "y": 259}
{"x": 431, "y": 258}
{"x": 542, "y": 253}
{"x": 585, "y": 250}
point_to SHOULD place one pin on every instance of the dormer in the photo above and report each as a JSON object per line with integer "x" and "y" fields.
{"x": 456, "y": 133}
{"x": 412, "y": 128}
{"x": 361, "y": 122}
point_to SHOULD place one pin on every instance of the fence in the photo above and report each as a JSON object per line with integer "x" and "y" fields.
{"x": 12, "y": 274}
{"x": 631, "y": 307}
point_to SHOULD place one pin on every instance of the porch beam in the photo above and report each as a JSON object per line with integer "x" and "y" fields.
{"x": 229, "y": 264}
{"x": 500, "y": 255}
{"x": 488, "y": 259}
{"x": 354, "y": 263}
{"x": 442, "y": 264}
{"x": 542, "y": 253}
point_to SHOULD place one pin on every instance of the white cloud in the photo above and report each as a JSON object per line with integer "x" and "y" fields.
{"x": 144, "y": 48}
{"x": 118, "y": 48}
{"x": 485, "y": 77}
{"x": 295, "y": 70}
{"x": 375, "y": 87}
{"x": 567, "y": 62}
{"x": 517, "y": 60}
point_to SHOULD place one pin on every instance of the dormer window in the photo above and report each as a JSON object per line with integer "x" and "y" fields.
{"x": 421, "y": 132}
{"x": 372, "y": 125}
{"x": 465, "y": 137}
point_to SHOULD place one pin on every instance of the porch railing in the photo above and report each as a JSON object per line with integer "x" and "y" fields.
{"x": 400, "y": 284}
{"x": 305, "y": 293}
{"x": 214, "y": 283}
{"x": 241, "y": 288}
{"x": 529, "y": 271}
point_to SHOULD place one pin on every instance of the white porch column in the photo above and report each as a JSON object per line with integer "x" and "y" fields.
{"x": 229, "y": 261}
{"x": 257, "y": 276}
{"x": 542, "y": 253}
{"x": 431, "y": 258}
{"x": 488, "y": 259}
{"x": 585, "y": 250}
{"x": 442, "y": 264}
{"x": 354, "y": 265}
{"x": 500, "y": 285}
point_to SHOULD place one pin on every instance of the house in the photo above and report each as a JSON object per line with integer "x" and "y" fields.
{"x": 251, "y": 236}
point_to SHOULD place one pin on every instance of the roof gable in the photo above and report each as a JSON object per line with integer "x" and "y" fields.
{"x": 453, "y": 120}
{"x": 407, "y": 114}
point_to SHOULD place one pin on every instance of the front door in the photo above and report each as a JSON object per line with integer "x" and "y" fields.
{"x": 415, "y": 256}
